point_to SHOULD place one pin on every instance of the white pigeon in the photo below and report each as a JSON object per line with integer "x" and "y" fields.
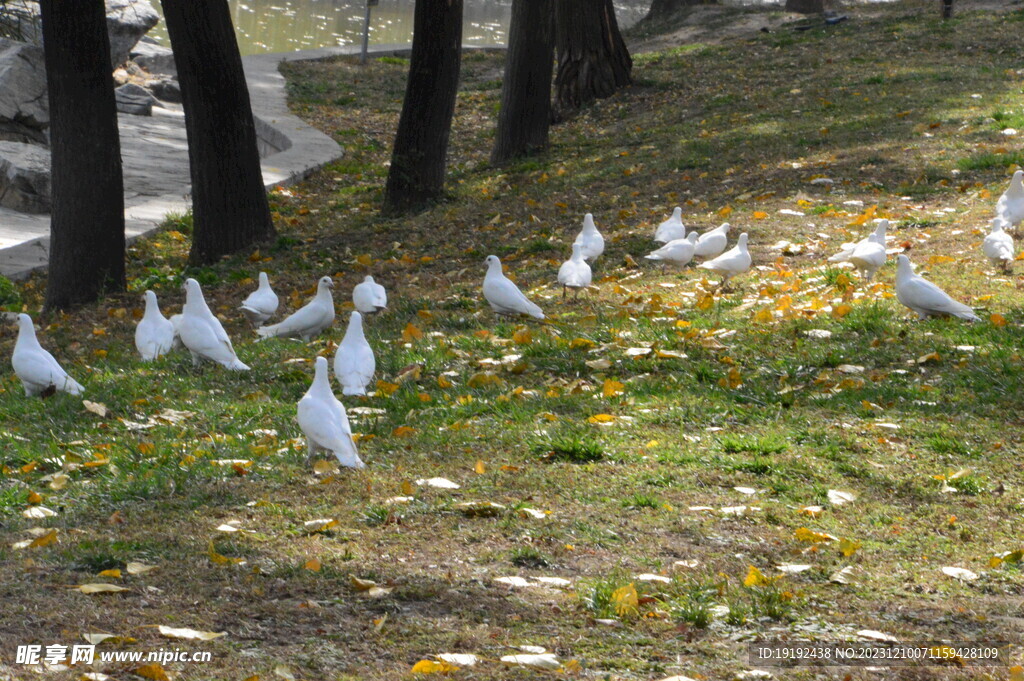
{"x": 308, "y": 320}
{"x": 324, "y": 422}
{"x": 677, "y": 252}
{"x": 731, "y": 263}
{"x": 575, "y": 272}
{"x": 877, "y": 236}
{"x": 503, "y": 295}
{"x": 202, "y": 333}
{"x": 154, "y": 334}
{"x": 671, "y": 229}
{"x": 924, "y": 297}
{"x": 590, "y": 239}
{"x": 1010, "y": 206}
{"x": 867, "y": 257}
{"x": 998, "y": 245}
{"x": 261, "y": 303}
{"x": 369, "y": 296}
{"x": 37, "y": 368}
{"x": 712, "y": 243}
{"x": 354, "y": 363}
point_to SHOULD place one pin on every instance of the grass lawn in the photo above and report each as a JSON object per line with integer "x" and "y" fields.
{"x": 656, "y": 450}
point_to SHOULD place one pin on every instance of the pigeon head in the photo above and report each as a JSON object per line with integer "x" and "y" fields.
{"x": 588, "y": 223}
{"x": 692, "y": 237}
{"x": 152, "y": 307}
{"x": 264, "y": 282}
{"x": 997, "y": 225}
{"x": 577, "y": 251}
{"x": 493, "y": 263}
{"x": 1018, "y": 176}
{"x": 903, "y": 265}
{"x": 325, "y": 282}
{"x": 26, "y": 331}
{"x": 192, "y": 288}
{"x": 742, "y": 242}
{"x": 356, "y": 319}
{"x": 677, "y": 213}
{"x": 881, "y": 227}
{"x": 368, "y": 279}
{"x": 320, "y": 379}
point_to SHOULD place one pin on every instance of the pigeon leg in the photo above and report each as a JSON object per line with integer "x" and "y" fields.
{"x": 563, "y": 292}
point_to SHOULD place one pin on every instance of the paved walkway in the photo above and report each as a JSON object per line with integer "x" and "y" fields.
{"x": 155, "y": 160}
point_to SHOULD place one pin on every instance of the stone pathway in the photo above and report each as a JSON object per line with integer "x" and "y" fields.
{"x": 155, "y": 160}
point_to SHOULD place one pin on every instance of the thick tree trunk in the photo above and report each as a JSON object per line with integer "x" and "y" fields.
{"x": 229, "y": 202}
{"x": 87, "y": 216}
{"x": 805, "y": 6}
{"x": 525, "y": 113}
{"x": 593, "y": 61}
{"x": 416, "y": 176}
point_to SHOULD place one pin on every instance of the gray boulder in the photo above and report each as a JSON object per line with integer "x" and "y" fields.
{"x": 24, "y": 107}
{"x": 166, "y": 89}
{"x": 24, "y": 177}
{"x": 127, "y": 22}
{"x": 153, "y": 57}
{"x": 134, "y": 99}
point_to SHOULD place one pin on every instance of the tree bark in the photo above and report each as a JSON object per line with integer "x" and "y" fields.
{"x": 593, "y": 61}
{"x": 416, "y": 176}
{"x": 87, "y": 190}
{"x": 229, "y": 201}
{"x": 805, "y": 6}
{"x": 525, "y": 113}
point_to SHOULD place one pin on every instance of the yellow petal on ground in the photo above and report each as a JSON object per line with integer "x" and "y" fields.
{"x": 626, "y": 600}
{"x": 189, "y": 634}
{"x": 134, "y": 568}
{"x": 432, "y": 667}
{"x": 755, "y": 578}
{"x": 361, "y": 584}
{"x": 99, "y": 588}
{"x": 812, "y": 537}
{"x": 151, "y": 671}
{"x": 612, "y": 388}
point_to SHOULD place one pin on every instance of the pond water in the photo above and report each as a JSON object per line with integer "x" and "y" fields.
{"x": 285, "y": 25}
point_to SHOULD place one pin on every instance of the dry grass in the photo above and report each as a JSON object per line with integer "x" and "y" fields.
{"x": 881, "y": 105}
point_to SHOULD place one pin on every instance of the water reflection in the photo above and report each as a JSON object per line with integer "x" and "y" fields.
{"x": 285, "y": 25}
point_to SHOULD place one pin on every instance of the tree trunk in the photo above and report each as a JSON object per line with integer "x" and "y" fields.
{"x": 525, "y": 112}
{"x": 229, "y": 202}
{"x": 593, "y": 61}
{"x": 805, "y": 6}
{"x": 416, "y": 176}
{"x": 87, "y": 216}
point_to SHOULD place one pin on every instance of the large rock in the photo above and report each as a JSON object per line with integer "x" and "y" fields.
{"x": 134, "y": 99}
{"x": 154, "y": 57}
{"x": 24, "y": 107}
{"x": 127, "y": 22}
{"x": 24, "y": 177}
